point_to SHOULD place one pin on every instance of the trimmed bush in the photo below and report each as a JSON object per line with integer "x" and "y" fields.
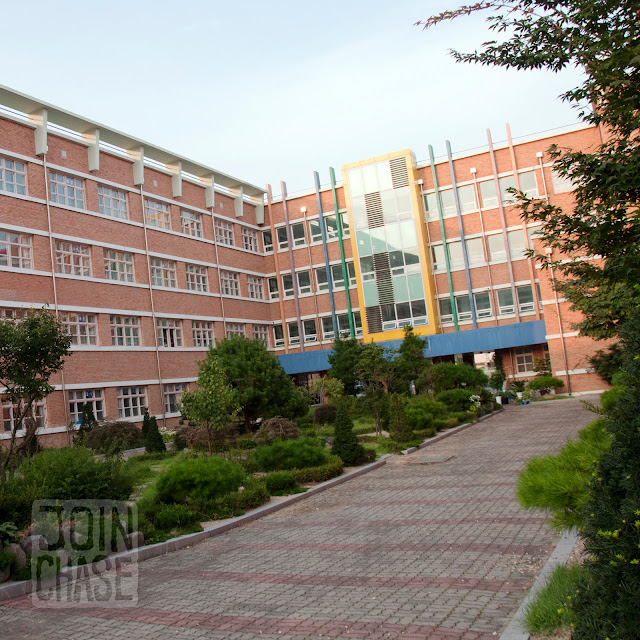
{"x": 197, "y": 479}
{"x": 398, "y": 424}
{"x": 280, "y": 481}
{"x": 325, "y": 413}
{"x": 345, "y": 443}
{"x": 290, "y": 454}
{"x": 332, "y": 468}
{"x": 236, "y": 503}
{"x": 423, "y": 434}
{"x": 277, "y": 428}
{"x": 421, "y": 412}
{"x": 544, "y": 384}
{"x": 114, "y": 437}
{"x": 455, "y": 399}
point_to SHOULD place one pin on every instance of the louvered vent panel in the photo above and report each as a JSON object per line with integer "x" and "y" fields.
{"x": 374, "y": 319}
{"x": 385, "y": 291}
{"x": 399, "y": 175}
{"x": 373, "y": 206}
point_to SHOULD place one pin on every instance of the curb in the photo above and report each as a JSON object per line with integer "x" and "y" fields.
{"x": 448, "y": 433}
{"x": 69, "y": 575}
{"x": 560, "y": 555}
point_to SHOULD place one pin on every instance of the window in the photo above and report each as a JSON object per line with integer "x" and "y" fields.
{"x": 230, "y": 283}
{"x": 357, "y": 321}
{"x": 66, "y": 190}
{"x": 438, "y": 257}
{"x": 287, "y": 285}
{"x": 475, "y": 251}
{"x": 505, "y": 302}
{"x": 13, "y": 314}
{"x": 82, "y": 328}
{"x": 321, "y": 279}
{"x": 249, "y": 239}
{"x": 456, "y": 257}
{"x": 331, "y": 226}
{"x": 327, "y": 328}
{"x": 297, "y": 231}
{"x": 497, "y": 250}
{"x": 202, "y": 333}
{"x": 15, "y": 250}
{"x": 489, "y": 194}
{"x": 463, "y": 306}
{"x": 344, "y": 218}
{"x": 38, "y": 413}
{"x": 278, "y": 334}
{"x": 310, "y": 331}
{"x": 157, "y": 214}
{"x": 197, "y": 278}
{"x": 191, "y": 223}
{"x": 92, "y": 397}
{"x": 529, "y": 184}
{"x": 163, "y": 273}
{"x": 172, "y": 395}
{"x": 118, "y": 265}
{"x": 112, "y": 202}
{"x": 13, "y": 177}
{"x": 274, "y": 294}
{"x": 517, "y": 245}
{"x": 283, "y": 239}
{"x": 483, "y": 304}
{"x": 224, "y": 232}
{"x": 525, "y": 298}
{"x": 169, "y": 332}
{"x": 255, "y": 287}
{"x": 267, "y": 241}
{"x": 524, "y": 360}
{"x": 235, "y": 329}
{"x": 304, "y": 282}
{"x": 506, "y": 183}
{"x": 294, "y": 333}
{"x": 560, "y": 183}
{"x": 336, "y": 274}
{"x": 261, "y": 332}
{"x": 125, "y": 331}
{"x": 132, "y": 402}
{"x": 315, "y": 231}
{"x": 446, "y": 312}
{"x": 74, "y": 259}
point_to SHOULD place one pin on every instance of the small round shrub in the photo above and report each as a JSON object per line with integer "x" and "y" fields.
{"x": 544, "y": 384}
{"x": 199, "y": 479}
{"x": 455, "y": 399}
{"x": 277, "y": 428}
{"x": 280, "y": 481}
{"x": 325, "y": 413}
{"x": 290, "y": 454}
{"x": 171, "y": 516}
{"x": 113, "y": 437}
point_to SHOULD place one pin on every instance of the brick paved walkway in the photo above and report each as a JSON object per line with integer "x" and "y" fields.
{"x": 412, "y": 551}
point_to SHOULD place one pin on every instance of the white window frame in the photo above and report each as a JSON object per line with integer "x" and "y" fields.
{"x": 224, "y": 232}
{"x": 169, "y": 333}
{"x": 230, "y": 283}
{"x": 112, "y": 203}
{"x": 304, "y": 288}
{"x": 261, "y": 332}
{"x": 82, "y": 327}
{"x": 132, "y": 402}
{"x": 13, "y": 176}
{"x": 268, "y": 246}
{"x": 202, "y": 333}
{"x": 163, "y": 273}
{"x": 79, "y": 397}
{"x": 157, "y": 214}
{"x": 172, "y": 393}
{"x": 235, "y": 329}
{"x": 310, "y": 336}
{"x": 506, "y": 309}
{"x": 255, "y": 287}
{"x": 15, "y": 250}
{"x": 125, "y": 331}
{"x": 524, "y": 360}
{"x": 73, "y": 258}
{"x": 293, "y": 340}
{"x": 273, "y": 294}
{"x": 523, "y": 307}
{"x": 66, "y": 190}
{"x": 288, "y": 292}
{"x": 484, "y": 312}
{"x": 282, "y": 237}
{"x": 191, "y": 223}
{"x": 501, "y": 254}
{"x": 123, "y": 263}
{"x": 38, "y": 411}
{"x": 249, "y": 239}
{"x": 197, "y": 277}
{"x": 278, "y": 341}
{"x": 298, "y": 241}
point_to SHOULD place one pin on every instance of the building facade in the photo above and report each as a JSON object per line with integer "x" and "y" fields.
{"x": 149, "y": 258}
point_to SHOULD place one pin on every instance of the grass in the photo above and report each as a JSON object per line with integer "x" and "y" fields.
{"x": 147, "y": 468}
{"x": 549, "y": 611}
{"x": 546, "y": 398}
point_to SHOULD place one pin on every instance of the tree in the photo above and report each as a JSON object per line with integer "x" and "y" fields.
{"x": 330, "y": 388}
{"x": 601, "y": 38}
{"x": 373, "y": 370}
{"x": 151, "y": 436}
{"x": 32, "y": 349}
{"x": 344, "y": 360}
{"x": 262, "y": 388}
{"x": 214, "y": 403}
{"x": 448, "y": 375}
{"x": 410, "y": 361}
{"x": 399, "y": 429}
{"x": 345, "y": 443}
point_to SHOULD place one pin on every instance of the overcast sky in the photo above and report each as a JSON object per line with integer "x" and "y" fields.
{"x": 271, "y": 91}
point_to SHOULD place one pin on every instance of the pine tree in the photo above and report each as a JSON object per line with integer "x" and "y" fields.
{"x": 398, "y": 428}
{"x": 151, "y": 436}
{"x": 345, "y": 443}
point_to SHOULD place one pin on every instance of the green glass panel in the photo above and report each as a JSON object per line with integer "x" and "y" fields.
{"x": 378, "y": 240}
{"x": 408, "y": 233}
{"x": 416, "y": 288}
{"x": 400, "y": 289}
{"x": 364, "y": 243}
{"x": 370, "y": 293}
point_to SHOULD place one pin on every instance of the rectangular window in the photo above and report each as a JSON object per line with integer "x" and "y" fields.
{"x": 230, "y": 283}
{"x": 497, "y": 249}
{"x": 505, "y": 302}
{"x": 13, "y": 314}
{"x": 112, "y": 202}
{"x": 456, "y": 257}
{"x": 38, "y": 412}
{"x": 163, "y": 273}
{"x": 132, "y": 402}
{"x": 529, "y": 184}
{"x": 446, "y": 312}
{"x": 66, "y": 190}
{"x": 15, "y": 250}
{"x": 357, "y": 321}
{"x": 118, "y": 265}
{"x": 74, "y": 259}
{"x": 249, "y": 239}
{"x": 82, "y": 328}
{"x": 344, "y": 218}
{"x": 274, "y": 294}
{"x": 525, "y": 298}
{"x": 304, "y": 282}
{"x": 224, "y": 232}
{"x": 331, "y": 226}
{"x": 327, "y": 328}
{"x": 92, "y": 397}
{"x": 283, "y": 240}
{"x": 488, "y": 194}
{"x": 467, "y": 198}
{"x": 287, "y": 285}
{"x": 13, "y": 176}
{"x": 483, "y": 304}
{"x": 191, "y": 223}
{"x": 169, "y": 332}
{"x": 475, "y": 251}
{"x": 321, "y": 279}
{"x": 157, "y": 214}
{"x": 202, "y": 333}
{"x": 506, "y": 183}
{"x": 314, "y": 230}
{"x": 255, "y": 287}
{"x": 197, "y": 278}
{"x": 235, "y": 329}
{"x": 172, "y": 395}
{"x": 297, "y": 231}
{"x": 560, "y": 183}
{"x": 524, "y": 360}
{"x": 125, "y": 331}
{"x": 438, "y": 257}
{"x": 517, "y": 245}
{"x": 294, "y": 333}
{"x": 463, "y": 306}
{"x": 310, "y": 331}
{"x": 261, "y": 332}
{"x": 278, "y": 335}
{"x": 267, "y": 241}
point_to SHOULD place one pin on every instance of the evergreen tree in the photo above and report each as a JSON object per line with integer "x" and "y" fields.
{"x": 398, "y": 428}
{"x": 345, "y": 444}
{"x": 410, "y": 361}
{"x": 151, "y": 436}
{"x": 344, "y": 360}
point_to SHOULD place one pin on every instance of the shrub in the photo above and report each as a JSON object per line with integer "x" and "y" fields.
{"x": 455, "y": 399}
{"x": 345, "y": 443}
{"x": 305, "y": 421}
{"x": 448, "y": 375}
{"x": 423, "y": 434}
{"x": 180, "y": 439}
{"x": 332, "y": 468}
{"x": 290, "y": 454}
{"x": 421, "y": 411}
{"x": 196, "y": 437}
{"x": 151, "y": 436}
{"x": 114, "y": 437}
{"x": 438, "y": 425}
{"x": 607, "y": 363}
{"x": 325, "y": 413}
{"x": 236, "y": 503}
{"x": 172, "y": 516}
{"x": 398, "y": 425}
{"x": 545, "y": 384}
{"x": 205, "y": 478}
{"x": 277, "y": 428}
{"x": 280, "y": 481}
